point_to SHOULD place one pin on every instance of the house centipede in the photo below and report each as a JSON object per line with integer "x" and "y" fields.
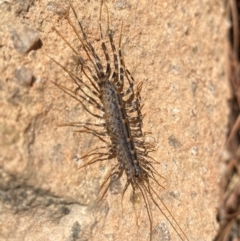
{"x": 119, "y": 110}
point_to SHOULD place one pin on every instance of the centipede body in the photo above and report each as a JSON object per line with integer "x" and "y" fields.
{"x": 119, "y": 109}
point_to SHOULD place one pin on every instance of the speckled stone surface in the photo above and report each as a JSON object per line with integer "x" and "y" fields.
{"x": 178, "y": 50}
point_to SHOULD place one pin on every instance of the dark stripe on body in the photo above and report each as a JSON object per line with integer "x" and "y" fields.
{"x": 118, "y": 128}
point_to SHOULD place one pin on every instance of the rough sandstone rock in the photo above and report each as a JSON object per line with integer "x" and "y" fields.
{"x": 178, "y": 50}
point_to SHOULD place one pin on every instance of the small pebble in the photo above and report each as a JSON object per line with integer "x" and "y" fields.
{"x": 57, "y": 8}
{"x": 194, "y": 150}
{"x": 121, "y": 4}
{"x": 25, "y": 40}
{"x": 24, "y": 5}
{"x": 24, "y": 76}
{"x": 172, "y": 141}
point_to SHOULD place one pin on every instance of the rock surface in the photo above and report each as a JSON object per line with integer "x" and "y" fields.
{"x": 178, "y": 50}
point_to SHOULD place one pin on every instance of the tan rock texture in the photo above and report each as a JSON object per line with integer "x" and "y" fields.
{"x": 178, "y": 50}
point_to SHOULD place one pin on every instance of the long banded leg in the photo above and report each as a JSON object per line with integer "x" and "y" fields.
{"x": 93, "y": 152}
{"x": 83, "y": 98}
{"x": 122, "y": 70}
{"x": 156, "y": 179}
{"x": 92, "y": 100}
{"x": 104, "y": 47}
{"x": 136, "y": 126}
{"x": 128, "y": 91}
{"x": 78, "y": 80}
{"x": 95, "y": 160}
{"x": 139, "y": 143}
{"x": 115, "y": 76}
{"x": 88, "y": 48}
{"x": 106, "y": 180}
{"x": 131, "y": 110}
{"x": 82, "y": 124}
{"x": 152, "y": 161}
{"x": 71, "y": 93}
{"x": 86, "y": 126}
{"x": 73, "y": 49}
{"x": 135, "y": 102}
{"x": 137, "y": 134}
{"x": 97, "y": 156}
{"x": 99, "y": 135}
{"x": 134, "y": 119}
